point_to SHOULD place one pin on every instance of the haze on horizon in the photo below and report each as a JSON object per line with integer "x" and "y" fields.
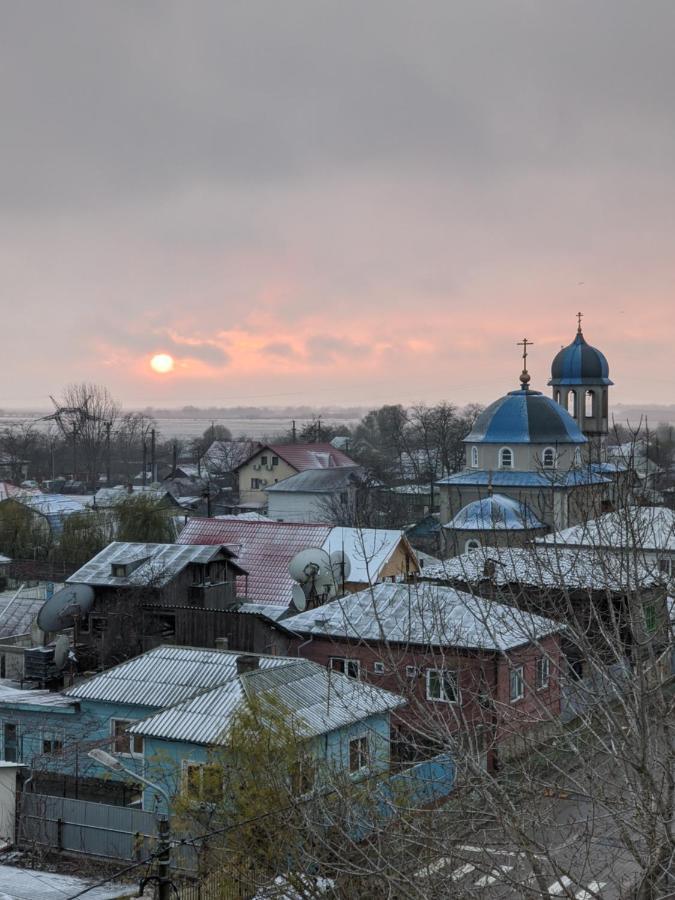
{"x": 334, "y": 203}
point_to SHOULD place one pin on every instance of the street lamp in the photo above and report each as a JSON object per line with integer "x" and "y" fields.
{"x": 103, "y": 758}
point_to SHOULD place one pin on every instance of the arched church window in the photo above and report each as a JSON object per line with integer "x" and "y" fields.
{"x": 474, "y": 457}
{"x": 589, "y": 404}
{"x": 577, "y": 456}
{"x": 471, "y": 544}
{"x": 572, "y": 403}
{"x": 548, "y": 458}
{"x": 557, "y": 396}
{"x": 506, "y": 458}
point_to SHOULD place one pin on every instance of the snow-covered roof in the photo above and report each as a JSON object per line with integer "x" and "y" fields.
{"x": 317, "y": 701}
{"x": 369, "y": 550}
{"x": 644, "y": 527}
{"x": 423, "y": 615}
{"x": 495, "y": 513}
{"x": 545, "y": 566}
{"x": 154, "y": 564}
{"x": 318, "y": 481}
{"x": 550, "y": 479}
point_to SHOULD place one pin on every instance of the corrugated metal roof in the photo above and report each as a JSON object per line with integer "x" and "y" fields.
{"x": 423, "y": 615}
{"x": 317, "y": 700}
{"x": 162, "y": 562}
{"x": 548, "y": 479}
{"x": 318, "y": 481}
{"x": 164, "y": 676}
{"x": 51, "y": 699}
{"x": 546, "y": 567}
{"x": 264, "y": 549}
{"x": 18, "y": 610}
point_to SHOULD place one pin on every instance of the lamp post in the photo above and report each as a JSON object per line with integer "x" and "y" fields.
{"x": 163, "y": 832}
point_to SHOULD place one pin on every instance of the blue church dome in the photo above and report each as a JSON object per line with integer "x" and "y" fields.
{"x": 579, "y": 363}
{"x": 497, "y": 512}
{"x": 525, "y": 417}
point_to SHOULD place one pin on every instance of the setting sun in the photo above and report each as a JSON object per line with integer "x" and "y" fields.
{"x": 162, "y": 363}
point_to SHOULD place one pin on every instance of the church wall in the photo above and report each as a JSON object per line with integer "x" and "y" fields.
{"x": 526, "y": 457}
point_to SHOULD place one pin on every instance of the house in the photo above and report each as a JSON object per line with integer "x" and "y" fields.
{"x": 49, "y": 512}
{"x": 269, "y": 464}
{"x": 19, "y": 609}
{"x": 265, "y": 549}
{"x": 316, "y": 495}
{"x": 474, "y": 672}
{"x": 145, "y": 594}
{"x": 343, "y": 723}
{"x": 52, "y": 733}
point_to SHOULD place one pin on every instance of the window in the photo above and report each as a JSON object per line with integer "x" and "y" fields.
{"x": 506, "y": 458}
{"x": 263, "y": 460}
{"x": 472, "y": 544}
{"x": 474, "y": 457}
{"x": 543, "y": 672}
{"x": 358, "y": 754}
{"x": 666, "y": 566}
{"x": 11, "y": 741}
{"x": 378, "y": 668}
{"x": 650, "y": 617}
{"x": 572, "y": 403}
{"x": 589, "y": 404}
{"x": 275, "y": 460}
{"x": 516, "y": 684}
{"x": 52, "y": 742}
{"x": 548, "y": 458}
{"x": 256, "y": 483}
{"x": 577, "y": 456}
{"x": 203, "y": 782}
{"x": 118, "y": 570}
{"x": 126, "y": 744}
{"x": 411, "y": 672}
{"x": 442, "y": 685}
{"x": 349, "y": 667}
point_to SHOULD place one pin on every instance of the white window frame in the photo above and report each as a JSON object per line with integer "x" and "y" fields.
{"x": 133, "y": 739}
{"x": 543, "y": 672}
{"x": 517, "y": 672}
{"x": 474, "y": 457}
{"x": 200, "y": 767}
{"x": 502, "y": 452}
{"x": 577, "y": 456}
{"x": 443, "y": 696}
{"x": 343, "y": 663}
{"x": 378, "y": 668}
{"x": 554, "y": 458}
{"x": 475, "y": 545}
{"x": 364, "y": 757}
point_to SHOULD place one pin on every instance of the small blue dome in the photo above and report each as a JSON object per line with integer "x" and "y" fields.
{"x": 525, "y": 417}
{"x": 579, "y": 363}
{"x": 495, "y": 513}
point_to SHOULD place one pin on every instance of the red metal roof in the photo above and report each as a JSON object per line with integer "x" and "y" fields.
{"x": 264, "y": 549}
{"x": 307, "y": 456}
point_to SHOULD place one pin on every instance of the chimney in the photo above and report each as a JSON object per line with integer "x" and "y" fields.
{"x": 247, "y": 663}
{"x": 222, "y": 643}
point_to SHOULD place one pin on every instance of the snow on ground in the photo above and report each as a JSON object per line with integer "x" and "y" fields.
{"x": 29, "y": 884}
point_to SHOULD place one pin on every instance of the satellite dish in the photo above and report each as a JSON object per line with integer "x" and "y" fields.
{"x": 60, "y": 610}
{"x": 299, "y": 599}
{"x": 341, "y": 565}
{"x": 307, "y": 564}
{"x": 61, "y": 648}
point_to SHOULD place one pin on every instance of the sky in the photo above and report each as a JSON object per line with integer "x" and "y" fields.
{"x": 333, "y": 202}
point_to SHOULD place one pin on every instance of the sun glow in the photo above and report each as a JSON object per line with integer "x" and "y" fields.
{"x": 162, "y": 363}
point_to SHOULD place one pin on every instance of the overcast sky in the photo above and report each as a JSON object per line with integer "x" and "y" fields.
{"x": 334, "y": 202}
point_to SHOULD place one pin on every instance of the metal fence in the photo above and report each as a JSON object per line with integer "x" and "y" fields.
{"x": 80, "y": 826}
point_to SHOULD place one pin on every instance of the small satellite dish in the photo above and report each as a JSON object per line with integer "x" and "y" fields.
{"x": 307, "y": 564}
{"x": 299, "y": 599}
{"x": 61, "y": 649}
{"x": 60, "y": 610}
{"x": 341, "y": 565}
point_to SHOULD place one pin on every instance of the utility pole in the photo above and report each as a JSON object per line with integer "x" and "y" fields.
{"x": 145, "y": 461}
{"x": 163, "y": 859}
{"x": 318, "y": 430}
{"x": 74, "y": 451}
{"x": 175, "y": 457}
{"x": 108, "y": 426}
{"x": 153, "y": 456}
{"x": 293, "y": 434}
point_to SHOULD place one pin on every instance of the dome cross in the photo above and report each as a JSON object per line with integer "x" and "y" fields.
{"x": 525, "y": 375}
{"x": 580, "y": 316}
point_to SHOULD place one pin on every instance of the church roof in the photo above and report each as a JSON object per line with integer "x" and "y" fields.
{"x": 495, "y": 513}
{"x": 579, "y": 363}
{"x": 525, "y": 417}
{"x": 548, "y": 478}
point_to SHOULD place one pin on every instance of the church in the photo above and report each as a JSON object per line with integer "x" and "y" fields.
{"x": 534, "y": 463}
